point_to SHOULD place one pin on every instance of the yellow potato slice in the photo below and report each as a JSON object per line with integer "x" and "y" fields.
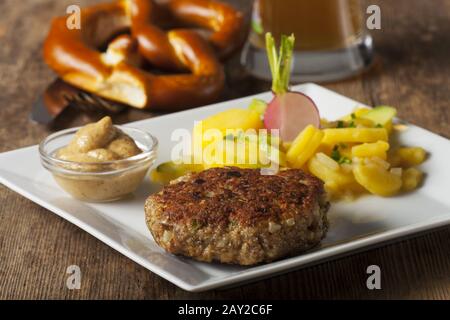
{"x": 304, "y": 146}
{"x": 334, "y": 136}
{"x": 169, "y": 171}
{"x": 247, "y": 151}
{"x": 345, "y": 149}
{"x": 377, "y": 179}
{"x": 325, "y": 148}
{"x": 408, "y": 157}
{"x": 366, "y": 150}
{"x": 329, "y": 171}
{"x": 363, "y": 123}
{"x": 285, "y": 146}
{"x": 412, "y": 178}
{"x": 389, "y": 127}
{"x": 242, "y": 119}
{"x": 357, "y": 113}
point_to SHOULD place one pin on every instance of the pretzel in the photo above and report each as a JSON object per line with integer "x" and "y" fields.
{"x": 118, "y": 73}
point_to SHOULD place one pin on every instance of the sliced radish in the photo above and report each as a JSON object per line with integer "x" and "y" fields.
{"x": 272, "y": 116}
{"x": 289, "y": 111}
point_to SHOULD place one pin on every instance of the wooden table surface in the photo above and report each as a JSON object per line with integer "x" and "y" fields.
{"x": 411, "y": 72}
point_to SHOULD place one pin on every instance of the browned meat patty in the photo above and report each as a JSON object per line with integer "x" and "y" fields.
{"x": 239, "y": 216}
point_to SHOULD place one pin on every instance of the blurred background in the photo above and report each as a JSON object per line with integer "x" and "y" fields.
{"x": 409, "y": 68}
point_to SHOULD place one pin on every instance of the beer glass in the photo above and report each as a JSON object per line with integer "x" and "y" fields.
{"x": 331, "y": 38}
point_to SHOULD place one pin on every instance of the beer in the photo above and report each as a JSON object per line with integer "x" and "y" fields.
{"x": 317, "y": 24}
{"x": 331, "y": 39}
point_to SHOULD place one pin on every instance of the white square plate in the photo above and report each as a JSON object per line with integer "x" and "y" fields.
{"x": 367, "y": 222}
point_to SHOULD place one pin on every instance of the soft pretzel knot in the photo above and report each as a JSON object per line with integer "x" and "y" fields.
{"x": 133, "y": 32}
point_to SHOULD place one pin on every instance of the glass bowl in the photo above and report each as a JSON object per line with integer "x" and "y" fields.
{"x": 99, "y": 181}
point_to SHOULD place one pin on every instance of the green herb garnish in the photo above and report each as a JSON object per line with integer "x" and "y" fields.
{"x": 280, "y": 62}
{"x": 336, "y": 156}
{"x": 345, "y": 160}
